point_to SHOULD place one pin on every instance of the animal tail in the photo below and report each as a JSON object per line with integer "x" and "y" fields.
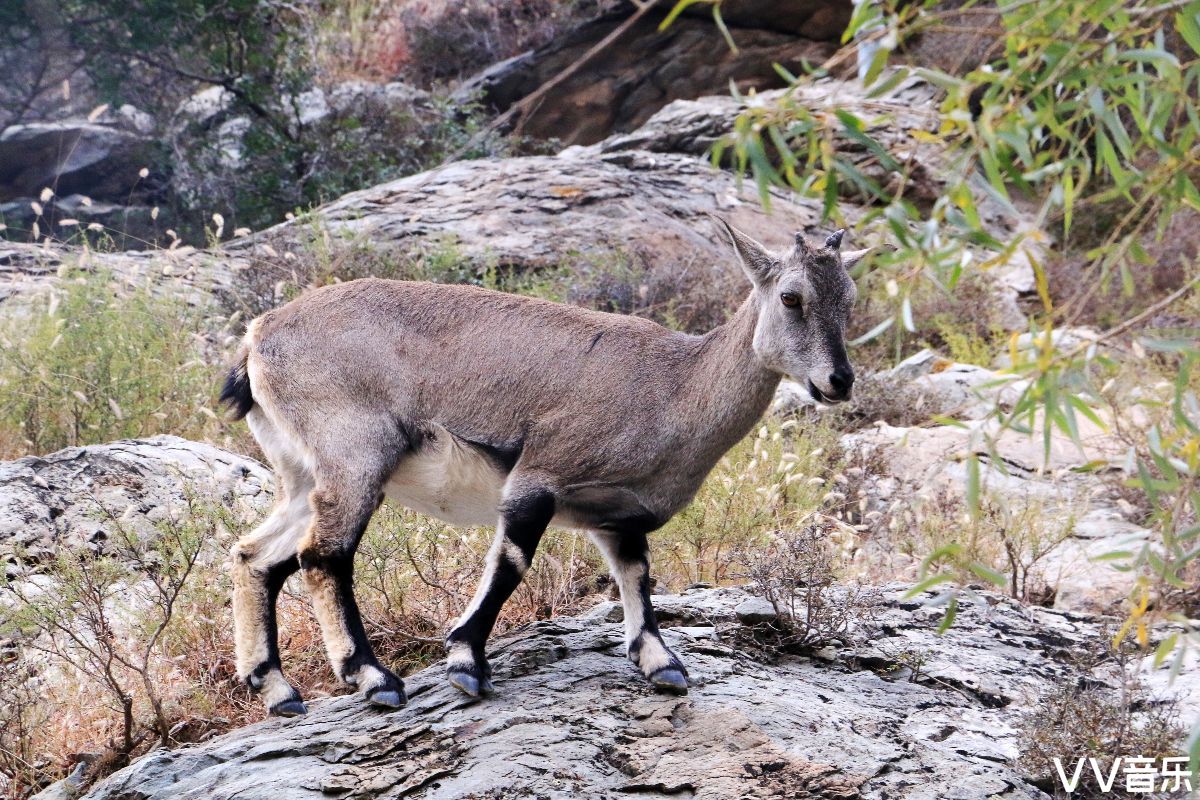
{"x": 236, "y": 391}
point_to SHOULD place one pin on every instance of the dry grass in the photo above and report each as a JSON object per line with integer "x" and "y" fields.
{"x": 798, "y": 572}
{"x": 1085, "y": 718}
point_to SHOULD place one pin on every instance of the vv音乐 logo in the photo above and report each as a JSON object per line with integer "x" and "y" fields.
{"x": 1141, "y": 774}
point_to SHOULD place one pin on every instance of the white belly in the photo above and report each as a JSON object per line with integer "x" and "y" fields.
{"x": 449, "y": 479}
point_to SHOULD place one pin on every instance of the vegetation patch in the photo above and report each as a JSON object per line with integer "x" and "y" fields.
{"x": 93, "y": 361}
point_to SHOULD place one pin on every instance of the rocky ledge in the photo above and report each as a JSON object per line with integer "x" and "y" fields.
{"x": 573, "y": 719}
{"x": 70, "y": 497}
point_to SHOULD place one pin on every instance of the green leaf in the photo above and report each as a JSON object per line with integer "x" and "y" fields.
{"x": 988, "y": 574}
{"x": 894, "y": 79}
{"x": 720, "y": 21}
{"x": 1157, "y": 57}
{"x": 1114, "y": 555}
{"x": 879, "y": 60}
{"x": 1164, "y": 649}
{"x": 1109, "y": 157}
{"x": 1068, "y": 201}
{"x": 950, "y": 615}
{"x": 830, "y": 198}
{"x": 1187, "y": 24}
{"x": 1193, "y": 744}
{"x": 679, "y": 8}
{"x": 941, "y": 79}
{"x": 865, "y": 16}
{"x": 973, "y": 484}
{"x": 874, "y": 332}
{"x": 855, "y": 128}
{"x": 1086, "y": 410}
{"x": 925, "y": 585}
{"x": 784, "y": 73}
{"x": 1168, "y": 345}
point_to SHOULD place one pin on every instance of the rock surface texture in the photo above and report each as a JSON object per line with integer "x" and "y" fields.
{"x": 70, "y": 497}
{"x": 572, "y": 719}
{"x": 647, "y": 68}
{"x": 547, "y": 211}
{"x": 97, "y": 159}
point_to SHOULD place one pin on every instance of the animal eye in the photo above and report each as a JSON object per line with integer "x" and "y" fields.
{"x": 790, "y": 300}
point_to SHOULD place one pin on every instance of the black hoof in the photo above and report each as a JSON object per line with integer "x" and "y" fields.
{"x": 288, "y": 708}
{"x": 387, "y": 698}
{"x": 466, "y": 683}
{"x": 470, "y": 684}
{"x": 669, "y": 680}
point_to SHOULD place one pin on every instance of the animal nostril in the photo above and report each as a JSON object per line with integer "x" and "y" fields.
{"x": 841, "y": 381}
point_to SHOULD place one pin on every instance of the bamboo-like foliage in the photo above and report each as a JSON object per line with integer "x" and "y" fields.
{"x": 1078, "y": 109}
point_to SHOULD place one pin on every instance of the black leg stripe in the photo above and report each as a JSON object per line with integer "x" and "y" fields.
{"x": 274, "y": 578}
{"x": 524, "y": 519}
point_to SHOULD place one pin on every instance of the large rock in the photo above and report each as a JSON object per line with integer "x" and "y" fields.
{"x": 107, "y": 169}
{"x": 916, "y": 465}
{"x": 197, "y": 276}
{"x": 208, "y": 129}
{"x": 572, "y": 719}
{"x": 547, "y": 211}
{"x": 620, "y": 87}
{"x": 76, "y": 157}
{"x": 66, "y": 498}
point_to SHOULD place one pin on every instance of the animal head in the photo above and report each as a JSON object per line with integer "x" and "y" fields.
{"x": 804, "y": 299}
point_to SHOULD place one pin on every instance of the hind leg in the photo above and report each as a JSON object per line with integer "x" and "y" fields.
{"x": 347, "y": 494}
{"x": 628, "y": 557}
{"x": 262, "y": 562}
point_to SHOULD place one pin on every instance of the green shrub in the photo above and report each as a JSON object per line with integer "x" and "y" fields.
{"x": 93, "y": 362}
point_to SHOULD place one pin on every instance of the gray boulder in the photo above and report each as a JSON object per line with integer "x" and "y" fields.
{"x": 76, "y": 157}
{"x": 572, "y": 719}
{"x": 622, "y": 86}
{"x": 547, "y": 211}
{"x": 67, "y": 497}
{"x": 201, "y": 278}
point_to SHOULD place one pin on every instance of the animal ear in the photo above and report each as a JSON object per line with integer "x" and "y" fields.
{"x": 849, "y": 259}
{"x": 756, "y": 260}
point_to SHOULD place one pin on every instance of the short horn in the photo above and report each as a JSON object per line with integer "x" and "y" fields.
{"x": 835, "y": 239}
{"x": 803, "y": 245}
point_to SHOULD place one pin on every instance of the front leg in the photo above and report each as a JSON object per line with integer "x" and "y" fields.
{"x": 523, "y": 520}
{"x": 628, "y": 557}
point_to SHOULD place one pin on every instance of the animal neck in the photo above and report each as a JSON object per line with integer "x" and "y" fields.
{"x": 730, "y": 387}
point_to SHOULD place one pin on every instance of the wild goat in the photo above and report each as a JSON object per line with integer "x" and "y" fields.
{"x": 484, "y": 408}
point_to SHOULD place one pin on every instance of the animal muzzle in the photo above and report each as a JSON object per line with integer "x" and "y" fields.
{"x": 835, "y": 388}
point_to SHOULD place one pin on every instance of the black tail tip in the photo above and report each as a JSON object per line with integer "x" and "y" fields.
{"x": 236, "y": 392}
